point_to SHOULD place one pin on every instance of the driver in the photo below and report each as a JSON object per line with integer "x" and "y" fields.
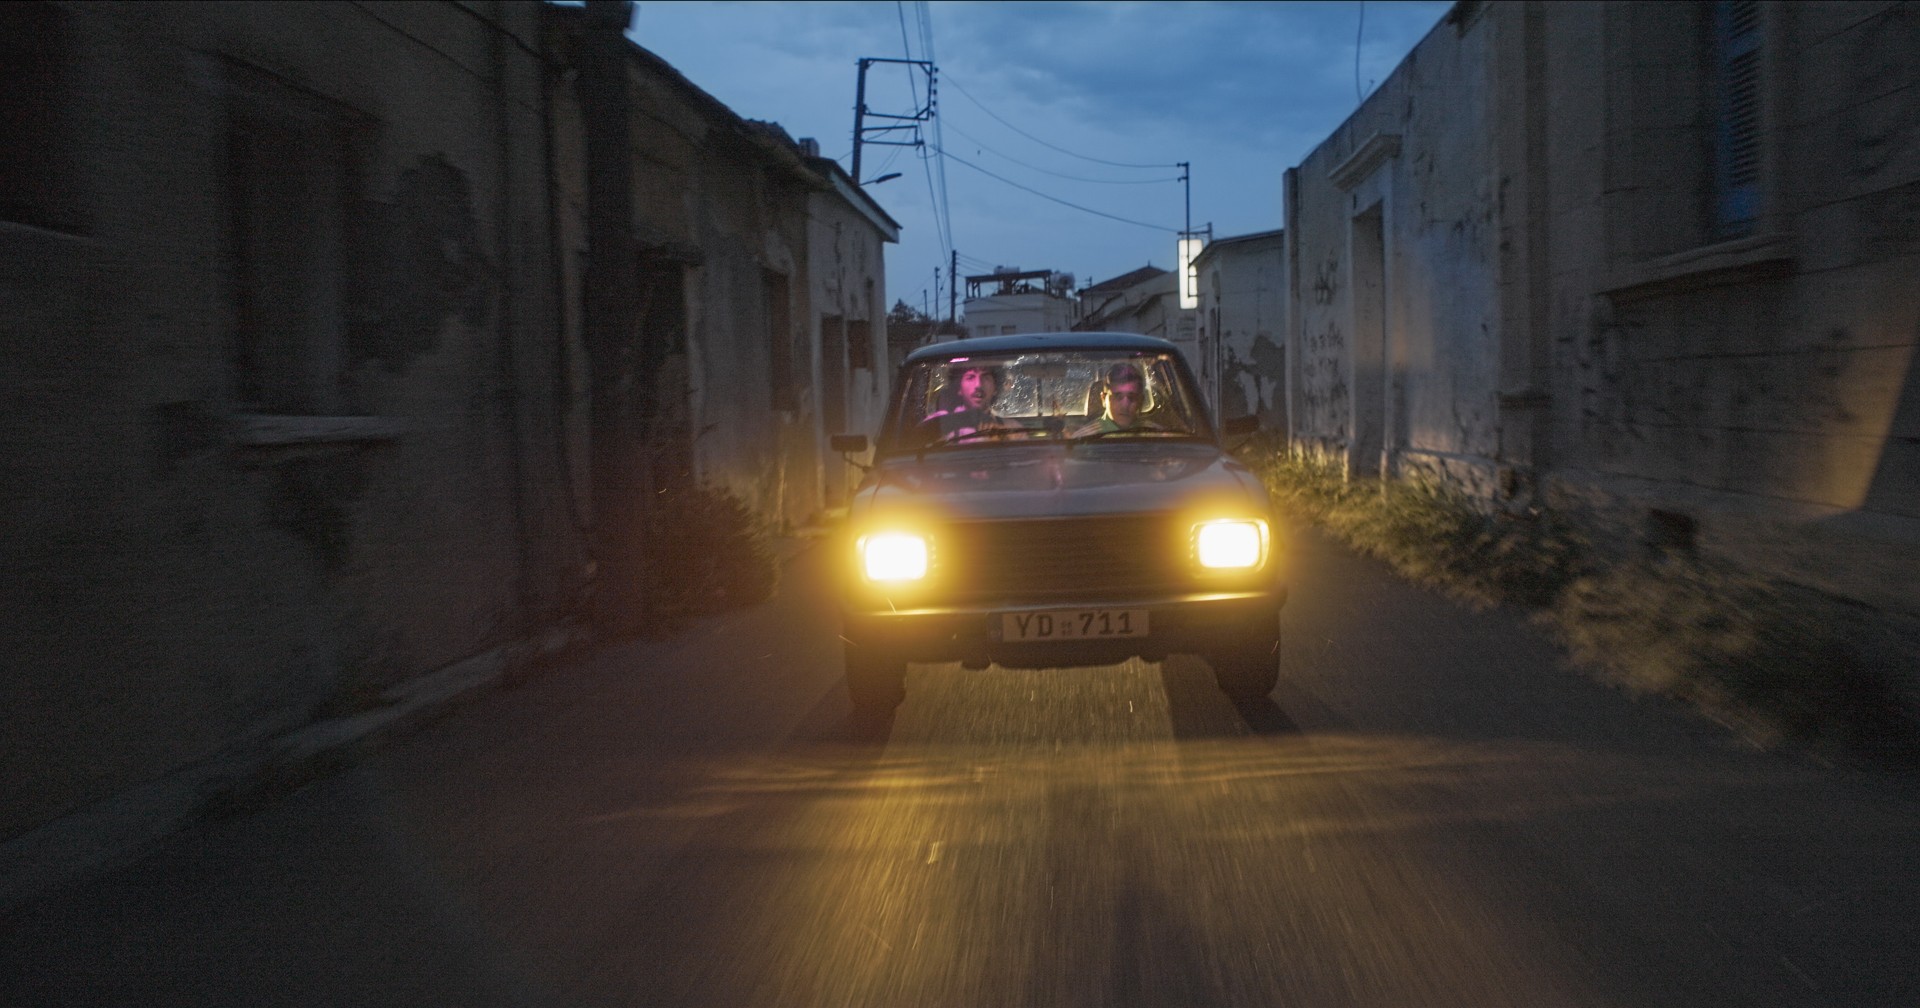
{"x": 975, "y": 386}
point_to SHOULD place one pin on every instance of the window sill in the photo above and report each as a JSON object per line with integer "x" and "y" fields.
{"x": 262, "y": 430}
{"x": 1741, "y": 260}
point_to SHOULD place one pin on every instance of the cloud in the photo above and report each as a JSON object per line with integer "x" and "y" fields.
{"x": 1240, "y": 90}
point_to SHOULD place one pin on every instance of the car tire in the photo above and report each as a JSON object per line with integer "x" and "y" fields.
{"x": 1248, "y": 671}
{"x": 876, "y": 680}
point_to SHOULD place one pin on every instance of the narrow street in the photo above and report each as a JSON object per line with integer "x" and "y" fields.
{"x": 1434, "y": 810}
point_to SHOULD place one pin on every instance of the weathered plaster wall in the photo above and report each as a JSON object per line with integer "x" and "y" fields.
{"x": 1395, "y": 356}
{"x": 176, "y": 586}
{"x": 1762, "y": 388}
{"x": 1560, "y": 314}
{"x": 1243, "y": 312}
{"x": 848, "y": 275}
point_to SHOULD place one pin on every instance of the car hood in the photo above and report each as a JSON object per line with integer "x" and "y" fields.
{"x": 1058, "y": 480}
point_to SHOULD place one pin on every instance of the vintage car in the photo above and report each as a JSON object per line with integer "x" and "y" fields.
{"x": 1055, "y": 499}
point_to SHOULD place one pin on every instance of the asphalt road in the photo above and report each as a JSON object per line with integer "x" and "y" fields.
{"x": 1433, "y": 811}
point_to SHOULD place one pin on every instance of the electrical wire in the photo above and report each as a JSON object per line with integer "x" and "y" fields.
{"x": 925, "y": 14}
{"x": 1073, "y": 178}
{"x": 1097, "y": 213}
{"x": 1358, "y": 95}
{"x": 1043, "y": 143}
{"x": 942, "y": 221}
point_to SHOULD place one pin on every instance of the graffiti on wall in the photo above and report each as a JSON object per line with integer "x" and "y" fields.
{"x": 1323, "y": 358}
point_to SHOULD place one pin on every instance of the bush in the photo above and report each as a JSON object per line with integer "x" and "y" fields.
{"x": 707, "y": 552}
{"x": 1427, "y": 530}
{"x": 1767, "y": 659}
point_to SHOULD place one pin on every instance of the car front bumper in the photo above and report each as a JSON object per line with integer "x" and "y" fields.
{"x": 1200, "y": 622}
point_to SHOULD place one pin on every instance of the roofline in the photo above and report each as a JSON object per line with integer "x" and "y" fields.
{"x": 574, "y": 19}
{"x": 857, "y": 196}
{"x": 1239, "y": 239}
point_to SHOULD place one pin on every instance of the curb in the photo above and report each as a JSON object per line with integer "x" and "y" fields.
{"x": 250, "y": 772}
{"x": 254, "y": 770}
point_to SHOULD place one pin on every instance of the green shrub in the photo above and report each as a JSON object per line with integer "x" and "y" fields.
{"x": 707, "y": 552}
{"x": 1426, "y": 529}
{"x": 1767, "y": 659}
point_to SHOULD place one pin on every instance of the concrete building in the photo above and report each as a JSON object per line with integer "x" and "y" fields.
{"x": 756, "y": 267}
{"x": 1145, "y": 301}
{"x": 1653, "y": 260}
{"x": 1009, "y": 301}
{"x": 278, "y": 307}
{"x": 347, "y": 346}
{"x": 1241, "y": 334}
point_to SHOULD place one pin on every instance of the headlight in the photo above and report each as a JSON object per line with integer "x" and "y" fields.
{"x": 1230, "y": 544}
{"x": 894, "y": 556}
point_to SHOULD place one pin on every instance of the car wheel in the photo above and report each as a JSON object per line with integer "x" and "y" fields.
{"x": 1249, "y": 670}
{"x": 876, "y": 680}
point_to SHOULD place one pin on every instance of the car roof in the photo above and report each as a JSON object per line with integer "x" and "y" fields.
{"x": 1030, "y": 342}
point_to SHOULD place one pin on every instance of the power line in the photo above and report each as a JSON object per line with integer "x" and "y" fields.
{"x": 925, "y": 15}
{"x": 1056, "y": 199}
{"x": 942, "y": 218}
{"x": 1357, "y": 32}
{"x": 1074, "y": 178}
{"x": 1043, "y": 143}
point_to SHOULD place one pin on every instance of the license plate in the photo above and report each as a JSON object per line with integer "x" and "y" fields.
{"x": 1072, "y": 624}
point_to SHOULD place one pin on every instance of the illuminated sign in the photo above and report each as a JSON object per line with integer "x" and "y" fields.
{"x": 1189, "y": 274}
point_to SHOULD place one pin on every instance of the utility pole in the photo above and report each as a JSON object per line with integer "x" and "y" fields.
{"x": 907, "y": 122}
{"x": 953, "y": 289}
{"x": 1186, "y": 184}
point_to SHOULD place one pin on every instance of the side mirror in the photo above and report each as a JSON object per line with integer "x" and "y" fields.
{"x": 848, "y": 444}
{"x": 1240, "y": 426}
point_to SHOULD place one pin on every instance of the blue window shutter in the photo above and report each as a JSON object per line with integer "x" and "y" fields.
{"x": 1736, "y": 120}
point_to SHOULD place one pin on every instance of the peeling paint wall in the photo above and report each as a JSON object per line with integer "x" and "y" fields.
{"x": 1242, "y": 327}
{"x": 1393, "y": 341}
{"x": 275, "y": 217}
{"x": 1570, "y": 315}
{"x": 848, "y": 274}
{"x": 1763, "y": 384}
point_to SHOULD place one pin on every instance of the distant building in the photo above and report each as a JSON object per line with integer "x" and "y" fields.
{"x": 1144, "y": 301}
{"x": 1242, "y": 320}
{"x": 1010, "y": 300}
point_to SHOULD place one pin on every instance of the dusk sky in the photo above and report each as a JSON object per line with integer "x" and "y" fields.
{"x": 1046, "y": 104}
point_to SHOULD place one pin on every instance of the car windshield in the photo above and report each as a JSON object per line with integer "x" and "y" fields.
{"x": 1051, "y": 395}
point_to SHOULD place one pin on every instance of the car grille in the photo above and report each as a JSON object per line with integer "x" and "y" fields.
{"x": 1056, "y": 557}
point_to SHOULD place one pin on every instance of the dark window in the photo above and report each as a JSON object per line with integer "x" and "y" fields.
{"x": 779, "y": 341}
{"x": 859, "y": 345}
{"x": 294, "y": 184}
{"x": 833, "y": 373}
{"x": 36, "y": 144}
{"x": 1736, "y": 117}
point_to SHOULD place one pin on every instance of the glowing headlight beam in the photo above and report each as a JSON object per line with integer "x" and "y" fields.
{"x": 1227, "y": 545}
{"x": 894, "y": 556}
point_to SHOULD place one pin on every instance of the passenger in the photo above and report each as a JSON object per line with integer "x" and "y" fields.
{"x": 1123, "y": 394}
